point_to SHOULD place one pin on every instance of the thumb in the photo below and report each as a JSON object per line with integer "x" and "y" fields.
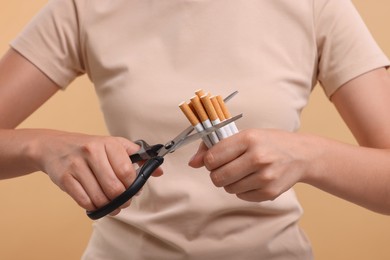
{"x": 131, "y": 148}
{"x": 197, "y": 159}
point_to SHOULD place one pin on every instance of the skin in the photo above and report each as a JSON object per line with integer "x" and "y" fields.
{"x": 261, "y": 164}
{"x": 255, "y": 164}
{"x": 91, "y": 169}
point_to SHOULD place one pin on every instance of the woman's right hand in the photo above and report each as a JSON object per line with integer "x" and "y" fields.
{"x": 93, "y": 170}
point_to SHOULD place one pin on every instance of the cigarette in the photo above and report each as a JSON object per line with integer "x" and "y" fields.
{"x": 191, "y": 116}
{"x": 227, "y": 114}
{"x": 220, "y": 114}
{"x": 195, "y": 100}
{"x": 200, "y": 93}
{"x": 213, "y": 116}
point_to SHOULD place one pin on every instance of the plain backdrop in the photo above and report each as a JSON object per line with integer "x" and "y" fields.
{"x": 39, "y": 221}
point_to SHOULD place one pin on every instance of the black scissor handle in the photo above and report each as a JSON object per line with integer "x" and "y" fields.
{"x": 144, "y": 173}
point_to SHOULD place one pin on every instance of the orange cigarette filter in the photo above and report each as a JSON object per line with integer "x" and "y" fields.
{"x": 223, "y": 107}
{"x": 189, "y": 113}
{"x": 217, "y": 108}
{"x": 197, "y": 104}
{"x": 200, "y": 93}
{"x": 193, "y": 110}
{"x": 208, "y": 105}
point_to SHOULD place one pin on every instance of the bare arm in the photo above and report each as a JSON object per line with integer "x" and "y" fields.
{"x": 261, "y": 164}
{"x": 362, "y": 174}
{"x": 23, "y": 88}
{"x": 91, "y": 169}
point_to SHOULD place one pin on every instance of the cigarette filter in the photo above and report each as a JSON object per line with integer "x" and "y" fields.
{"x": 227, "y": 114}
{"x": 195, "y": 100}
{"x": 194, "y": 121}
{"x": 220, "y": 114}
{"x": 213, "y": 116}
{"x": 200, "y": 93}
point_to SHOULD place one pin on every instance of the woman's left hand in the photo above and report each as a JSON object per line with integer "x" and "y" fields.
{"x": 256, "y": 164}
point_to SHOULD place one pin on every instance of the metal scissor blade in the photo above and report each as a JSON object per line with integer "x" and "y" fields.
{"x": 188, "y": 130}
{"x": 182, "y": 138}
{"x": 194, "y": 137}
{"x": 226, "y": 99}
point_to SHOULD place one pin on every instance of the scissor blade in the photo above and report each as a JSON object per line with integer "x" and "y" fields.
{"x": 226, "y": 99}
{"x": 194, "y": 137}
{"x": 189, "y": 129}
{"x": 184, "y": 138}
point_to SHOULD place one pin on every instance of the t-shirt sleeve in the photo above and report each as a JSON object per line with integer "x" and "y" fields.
{"x": 51, "y": 41}
{"x": 346, "y": 49}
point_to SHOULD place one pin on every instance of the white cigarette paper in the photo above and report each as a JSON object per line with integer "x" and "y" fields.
{"x": 227, "y": 114}
{"x": 212, "y": 114}
{"x": 220, "y": 114}
{"x": 204, "y": 118}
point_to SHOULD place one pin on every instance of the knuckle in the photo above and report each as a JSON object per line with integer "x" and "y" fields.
{"x": 114, "y": 189}
{"x": 256, "y": 159}
{"x": 124, "y": 170}
{"x": 271, "y": 194}
{"x": 99, "y": 199}
{"x": 217, "y": 179}
{"x": 64, "y": 181}
{"x": 229, "y": 189}
{"x": 74, "y": 164}
{"x": 125, "y": 205}
{"x": 249, "y": 136}
{"x": 89, "y": 148}
{"x": 209, "y": 160}
{"x": 85, "y": 202}
{"x": 266, "y": 177}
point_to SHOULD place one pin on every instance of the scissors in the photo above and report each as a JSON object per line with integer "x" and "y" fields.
{"x": 153, "y": 155}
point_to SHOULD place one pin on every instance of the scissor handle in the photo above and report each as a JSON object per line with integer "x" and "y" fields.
{"x": 144, "y": 173}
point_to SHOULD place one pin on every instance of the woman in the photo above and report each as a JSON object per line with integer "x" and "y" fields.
{"x": 272, "y": 52}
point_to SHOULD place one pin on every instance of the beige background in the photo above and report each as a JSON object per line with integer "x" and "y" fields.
{"x": 38, "y": 221}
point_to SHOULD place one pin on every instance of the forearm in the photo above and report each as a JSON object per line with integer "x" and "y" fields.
{"x": 16, "y": 155}
{"x": 358, "y": 174}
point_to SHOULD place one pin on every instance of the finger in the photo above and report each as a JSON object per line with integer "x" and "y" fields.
{"x": 197, "y": 159}
{"x": 105, "y": 175}
{"x": 251, "y": 182}
{"x": 85, "y": 177}
{"x": 121, "y": 164}
{"x": 129, "y": 146}
{"x": 132, "y": 148}
{"x": 72, "y": 187}
{"x": 225, "y": 151}
{"x": 126, "y": 204}
{"x": 259, "y": 195}
{"x": 158, "y": 172}
{"x": 235, "y": 170}
{"x": 115, "y": 212}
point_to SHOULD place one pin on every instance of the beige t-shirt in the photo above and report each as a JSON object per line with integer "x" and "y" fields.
{"x": 145, "y": 57}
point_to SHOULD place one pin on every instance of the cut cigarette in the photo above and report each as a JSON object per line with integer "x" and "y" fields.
{"x": 227, "y": 114}
{"x": 195, "y": 100}
{"x": 220, "y": 114}
{"x": 194, "y": 121}
{"x": 213, "y": 116}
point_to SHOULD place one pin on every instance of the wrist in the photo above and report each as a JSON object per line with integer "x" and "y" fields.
{"x": 315, "y": 149}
